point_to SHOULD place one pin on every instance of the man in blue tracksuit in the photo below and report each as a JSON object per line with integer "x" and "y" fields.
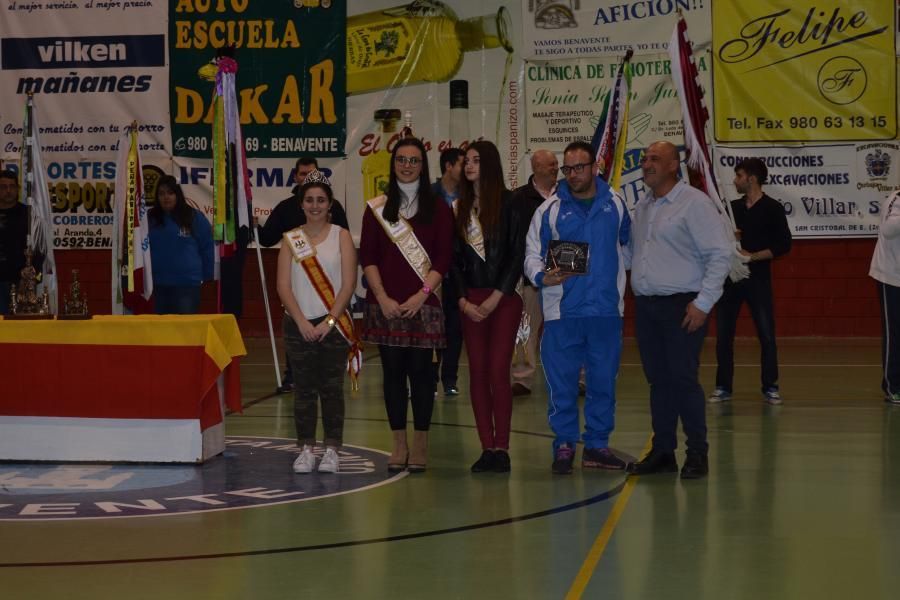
{"x": 582, "y": 313}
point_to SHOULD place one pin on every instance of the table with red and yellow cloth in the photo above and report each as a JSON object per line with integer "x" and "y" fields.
{"x": 118, "y": 388}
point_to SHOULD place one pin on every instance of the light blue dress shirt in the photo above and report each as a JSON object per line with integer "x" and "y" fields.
{"x": 680, "y": 244}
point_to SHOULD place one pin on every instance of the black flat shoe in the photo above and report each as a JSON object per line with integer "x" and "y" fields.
{"x": 656, "y": 461}
{"x": 485, "y": 463}
{"x": 501, "y": 462}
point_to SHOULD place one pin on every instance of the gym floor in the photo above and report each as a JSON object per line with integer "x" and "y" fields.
{"x": 802, "y": 501}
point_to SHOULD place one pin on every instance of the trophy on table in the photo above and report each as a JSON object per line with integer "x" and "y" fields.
{"x": 75, "y": 305}
{"x": 24, "y": 301}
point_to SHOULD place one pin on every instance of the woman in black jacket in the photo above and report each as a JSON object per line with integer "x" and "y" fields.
{"x": 489, "y": 250}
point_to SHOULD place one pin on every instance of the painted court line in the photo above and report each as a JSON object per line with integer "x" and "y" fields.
{"x": 596, "y": 552}
{"x": 626, "y": 364}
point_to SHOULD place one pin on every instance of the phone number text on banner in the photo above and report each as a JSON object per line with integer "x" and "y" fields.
{"x": 806, "y": 70}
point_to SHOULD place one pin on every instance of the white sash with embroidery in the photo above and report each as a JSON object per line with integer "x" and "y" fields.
{"x": 402, "y": 234}
{"x": 474, "y": 233}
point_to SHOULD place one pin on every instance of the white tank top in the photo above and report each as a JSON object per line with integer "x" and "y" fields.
{"x": 329, "y": 254}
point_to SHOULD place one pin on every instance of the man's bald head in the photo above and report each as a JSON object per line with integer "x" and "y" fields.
{"x": 660, "y": 167}
{"x": 545, "y": 167}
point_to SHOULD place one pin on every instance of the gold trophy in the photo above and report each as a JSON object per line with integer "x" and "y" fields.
{"x": 75, "y": 306}
{"x": 24, "y": 301}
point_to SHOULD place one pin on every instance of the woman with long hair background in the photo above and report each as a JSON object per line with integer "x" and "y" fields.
{"x": 181, "y": 247}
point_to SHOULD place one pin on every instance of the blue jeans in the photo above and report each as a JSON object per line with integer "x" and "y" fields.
{"x": 671, "y": 360}
{"x": 176, "y": 299}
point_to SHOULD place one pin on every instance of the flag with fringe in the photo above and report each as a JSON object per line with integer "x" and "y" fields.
{"x": 132, "y": 268}
{"x": 611, "y": 135}
{"x": 695, "y": 116}
{"x": 231, "y": 187}
{"x": 37, "y": 198}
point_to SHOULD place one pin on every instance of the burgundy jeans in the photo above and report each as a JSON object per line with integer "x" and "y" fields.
{"x": 489, "y": 345}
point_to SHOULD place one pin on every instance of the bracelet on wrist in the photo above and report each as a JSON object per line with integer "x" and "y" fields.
{"x": 331, "y": 321}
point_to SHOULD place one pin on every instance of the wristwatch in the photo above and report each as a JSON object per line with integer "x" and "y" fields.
{"x": 426, "y": 290}
{"x": 331, "y": 321}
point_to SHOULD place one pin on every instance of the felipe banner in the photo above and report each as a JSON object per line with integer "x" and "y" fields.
{"x": 805, "y": 70}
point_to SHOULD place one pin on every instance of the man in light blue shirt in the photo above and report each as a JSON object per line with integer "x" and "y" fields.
{"x": 681, "y": 255}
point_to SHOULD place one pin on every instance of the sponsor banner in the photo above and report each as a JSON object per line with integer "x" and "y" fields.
{"x": 290, "y": 79}
{"x": 93, "y": 68}
{"x": 272, "y": 181}
{"x": 564, "y": 101}
{"x": 568, "y": 28}
{"x": 827, "y": 191}
{"x": 82, "y": 195}
{"x": 804, "y": 71}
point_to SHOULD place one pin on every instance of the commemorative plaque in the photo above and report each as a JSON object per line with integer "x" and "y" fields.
{"x": 568, "y": 257}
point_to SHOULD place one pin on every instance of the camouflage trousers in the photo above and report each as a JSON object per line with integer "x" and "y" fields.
{"x": 318, "y": 369}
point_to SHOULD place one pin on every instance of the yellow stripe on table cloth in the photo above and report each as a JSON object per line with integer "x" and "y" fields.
{"x": 218, "y": 334}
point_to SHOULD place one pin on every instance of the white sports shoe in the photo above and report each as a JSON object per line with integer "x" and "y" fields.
{"x": 306, "y": 461}
{"x": 773, "y": 397}
{"x": 719, "y": 395}
{"x": 330, "y": 463}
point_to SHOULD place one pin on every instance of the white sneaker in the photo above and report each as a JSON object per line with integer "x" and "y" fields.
{"x": 718, "y": 396}
{"x": 330, "y": 463}
{"x": 306, "y": 461}
{"x": 773, "y": 397}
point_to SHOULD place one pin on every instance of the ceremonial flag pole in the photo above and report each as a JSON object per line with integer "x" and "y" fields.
{"x": 231, "y": 187}
{"x": 37, "y": 198}
{"x": 132, "y": 269}
{"x": 611, "y": 135}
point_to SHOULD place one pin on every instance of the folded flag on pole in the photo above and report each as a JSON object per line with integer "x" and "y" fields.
{"x": 611, "y": 134}
{"x": 695, "y": 116}
{"x": 37, "y": 197}
{"x": 231, "y": 187}
{"x": 132, "y": 268}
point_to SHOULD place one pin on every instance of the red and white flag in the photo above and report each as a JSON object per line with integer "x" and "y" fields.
{"x": 693, "y": 109}
{"x": 695, "y": 115}
{"x": 132, "y": 269}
